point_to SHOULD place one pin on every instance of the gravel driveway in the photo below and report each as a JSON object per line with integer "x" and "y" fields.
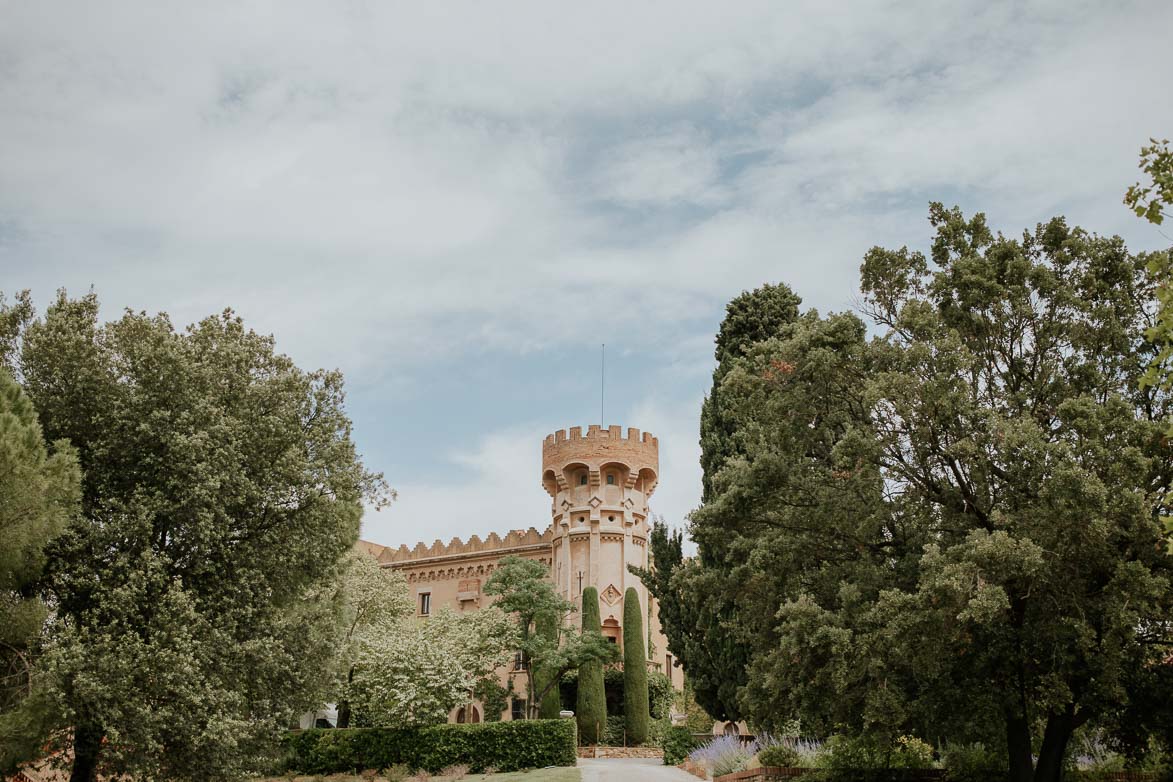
{"x": 630, "y": 770}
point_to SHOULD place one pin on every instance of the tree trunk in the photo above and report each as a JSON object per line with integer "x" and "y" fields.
{"x": 1018, "y": 746}
{"x": 344, "y": 704}
{"x": 1054, "y": 749}
{"x": 87, "y": 747}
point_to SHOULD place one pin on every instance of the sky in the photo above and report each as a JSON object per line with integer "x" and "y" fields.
{"x": 456, "y": 204}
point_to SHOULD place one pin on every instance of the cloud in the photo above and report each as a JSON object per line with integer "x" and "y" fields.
{"x": 399, "y": 189}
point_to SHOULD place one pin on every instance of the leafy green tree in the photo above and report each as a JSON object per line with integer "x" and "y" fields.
{"x": 375, "y": 599}
{"x": 546, "y": 680}
{"x": 524, "y": 590}
{"x": 40, "y": 494}
{"x": 965, "y": 510}
{"x": 195, "y": 611}
{"x": 1150, "y": 202}
{"x": 591, "y": 708}
{"x": 635, "y": 670}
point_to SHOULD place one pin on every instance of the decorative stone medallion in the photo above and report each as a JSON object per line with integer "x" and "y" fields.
{"x": 611, "y": 595}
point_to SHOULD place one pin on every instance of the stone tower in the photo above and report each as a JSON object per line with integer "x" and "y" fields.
{"x": 600, "y": 483}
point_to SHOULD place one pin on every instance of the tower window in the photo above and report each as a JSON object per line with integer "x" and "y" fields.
{"x": 582, "y": 479}
{"x": 425, "y": 603}
{"x": 610, "y": 480}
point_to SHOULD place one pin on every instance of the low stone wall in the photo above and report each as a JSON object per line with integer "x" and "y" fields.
{"x": 620, "y": 752}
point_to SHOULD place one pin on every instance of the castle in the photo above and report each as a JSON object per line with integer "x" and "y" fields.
{"x": 599, "y": 484}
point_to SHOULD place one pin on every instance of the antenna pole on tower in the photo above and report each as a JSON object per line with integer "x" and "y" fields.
{"x": 602, "y": 383}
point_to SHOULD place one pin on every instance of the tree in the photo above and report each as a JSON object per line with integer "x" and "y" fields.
{"x": 966, "y": 509}
{"x": 375, "y": 599}
{"x": 698, "y": 599}
{"x": 523, "y": 589}
{"x": 417, "y": 672}
{"x": 39, "y": 497}
{"x": 1150, "y": 201}
{"x": 591, "y": 708}
{"x": 635, "y": 670}
{"x": 546, "y": 679}
{"x": 194, "y": 598}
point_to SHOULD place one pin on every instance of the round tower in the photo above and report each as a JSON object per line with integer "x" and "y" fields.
{"x": 600, "y": 483}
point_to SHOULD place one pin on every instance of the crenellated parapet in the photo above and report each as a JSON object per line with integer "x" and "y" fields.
{"x": 571, "y": 458}
{"x": 492, "y": 544}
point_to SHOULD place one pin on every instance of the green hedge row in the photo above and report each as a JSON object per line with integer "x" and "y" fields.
{"x": 505, "y": 746}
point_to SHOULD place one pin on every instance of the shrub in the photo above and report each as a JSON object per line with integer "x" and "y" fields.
{"x": 635, "y": 670}
{"x": 724, "y": 755}
{"x": 591, "y": 708}
{"x": 782, "y": 755}
{"x": 870, "y": 752}
{"x": 973, "y": 763}
{"x": 678, "y": 743}
{"x": 508, "y": 746}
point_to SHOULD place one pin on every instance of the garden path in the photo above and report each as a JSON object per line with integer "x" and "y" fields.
{"x": 630, "y": 770}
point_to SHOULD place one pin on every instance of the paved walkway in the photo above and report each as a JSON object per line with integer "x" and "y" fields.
{"x": 630, "y": 770}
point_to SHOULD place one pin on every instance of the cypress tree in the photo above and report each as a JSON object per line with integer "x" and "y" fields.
{"x": 635, "y": 670}
{"x": 591, "y": 708}
{"x": 547, "y": 626}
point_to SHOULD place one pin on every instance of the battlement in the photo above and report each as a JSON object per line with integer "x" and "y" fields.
{"x": 514, "y": 539}
{"x": 598, "y": 433}
{"x": 637, "y": 456}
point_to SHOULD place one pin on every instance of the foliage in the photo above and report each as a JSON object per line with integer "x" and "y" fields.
{"x": 591, "y": 706}
{"x": 966, "y": 509}
{"x": 1149, "y": 201}
{"x": 40, "y": 494}
{"x": 973, "y": 763}
{"x": 678, "y": 743}
{"x": 866, "y": 752}
{"x": 780, "y": 755}
{"x": 635, "y": 670}
{"x": 506, "y": 746}
{"x": 524, "y": 590}
{"x": 724, "y": 755}
{"x": 194, "y": 597}
{"x": 417, "y": 672}
{"x": 374, "y": 601}
{"x": 546, "y": 681}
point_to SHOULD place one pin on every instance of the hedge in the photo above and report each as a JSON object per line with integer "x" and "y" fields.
{"x": 677, "y": 744}
{"x": 505, "y": 746}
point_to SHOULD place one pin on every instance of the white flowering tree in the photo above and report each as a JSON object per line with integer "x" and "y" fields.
{"x": 375, "y": 600}
{"x": 417, "y": 672}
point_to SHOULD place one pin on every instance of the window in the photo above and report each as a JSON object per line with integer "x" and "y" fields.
{"x": 518, "y": 661}
{"x": 668, "y": 664}
{"x": 612, "y": 639}
{"x": 610, "y": 480}
{"x": 582, "y": 479}
{"x": 517, "y": 711}
{"x": 425, "y": 603}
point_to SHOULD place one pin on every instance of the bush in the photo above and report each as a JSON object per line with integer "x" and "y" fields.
{"x": 723, "y": 755}
{"x": 508, "y": 746}
{"x": 973, "y": 763}
{"x": 870, "y": 752}
{"x": 780, "y": 755}
{"x": 678, "y": 743}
